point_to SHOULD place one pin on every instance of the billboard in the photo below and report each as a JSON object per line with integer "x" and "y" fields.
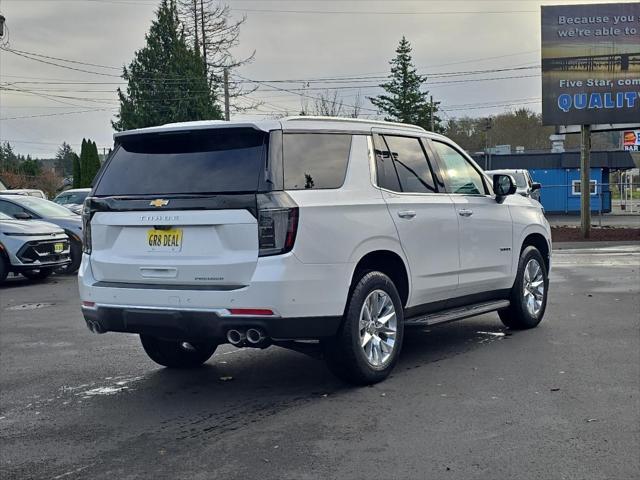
{"x": 591, "y": 64}
{"x": 631, "y": 140}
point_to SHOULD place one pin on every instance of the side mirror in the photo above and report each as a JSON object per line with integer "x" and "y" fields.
{"x": 503, "y": 185}
{"x": 22, "y": 216}
{"x": 535, "y": 186}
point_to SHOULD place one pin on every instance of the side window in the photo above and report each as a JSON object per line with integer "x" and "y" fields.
{"x": 462, "y": 178}
{"x": 315, "y": 160}
{"x": 411, "y": 164}
{"x": 387, "y": 176}
{"x": 10, "y": 208}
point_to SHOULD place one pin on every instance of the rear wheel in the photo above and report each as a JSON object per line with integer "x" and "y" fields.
{"x": 529, "y": 292}
{"x": 367, "y": 347}
{"x": 39, "y": 274}
{"x": 176, "y": 353}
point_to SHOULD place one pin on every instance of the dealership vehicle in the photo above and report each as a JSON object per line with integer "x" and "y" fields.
{"x": 30, "y": 192}
{"x": 73, "y": 199}
{"x": 525, "y": 185}
{"x": 30, "y": 208}
{"x": 33, "y": 248}
{"x": 305, "y": 233}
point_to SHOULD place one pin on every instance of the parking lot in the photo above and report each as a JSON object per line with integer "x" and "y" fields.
{"x": 467, "y": 400}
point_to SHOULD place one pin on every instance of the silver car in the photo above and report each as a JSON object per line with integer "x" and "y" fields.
{"x": 73, "y": 199}
{"x": 31, "y": 208}
{"x": 525, "y": 185}
{"x": 33, "y": 248}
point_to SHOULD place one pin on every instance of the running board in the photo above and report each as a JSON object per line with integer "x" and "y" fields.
{"x": 457, "y": 313}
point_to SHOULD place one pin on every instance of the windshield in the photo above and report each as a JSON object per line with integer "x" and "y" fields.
{"x": 71, "y": 198}
{"x": 4, "y": 216}
{"x": 195, "y": 162}
{"x": 521, "y": 180}
{"x": 43, "y": 208}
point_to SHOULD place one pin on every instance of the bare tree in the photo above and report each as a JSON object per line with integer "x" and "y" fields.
{"x": 356, "y": 108}
{"x": 328, "y": 104}
{"x": 212, "y": 31}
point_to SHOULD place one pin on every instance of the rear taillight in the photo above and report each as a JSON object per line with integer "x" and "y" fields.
{"x": 87, "y": 213}
{"x": 277, "y": 223}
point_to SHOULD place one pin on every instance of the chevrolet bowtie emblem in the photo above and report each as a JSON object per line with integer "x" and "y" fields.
{"x": 159, "y": 202}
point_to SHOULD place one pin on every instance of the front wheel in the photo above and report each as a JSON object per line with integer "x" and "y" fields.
{"x": 176, "y": 353}
{"x": 4, "y": 268}
{"x": 76, "y": 258}
{"x": 529, "y": 292}
{"x": 367, "y": 347}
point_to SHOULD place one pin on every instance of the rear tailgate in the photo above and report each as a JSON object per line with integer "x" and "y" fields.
{"x": 212, "y": 248}
{"x": 179, "y": 208}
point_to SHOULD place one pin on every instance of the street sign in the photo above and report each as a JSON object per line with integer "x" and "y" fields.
{"x": 591, "y": 64}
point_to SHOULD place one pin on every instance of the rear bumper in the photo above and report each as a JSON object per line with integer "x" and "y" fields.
{"x": 307, "y": 301}
{"x": 202, "y": 325}
{"x": 283, "y": 284}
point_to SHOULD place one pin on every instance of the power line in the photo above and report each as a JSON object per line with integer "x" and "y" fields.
{"x": 55, "y": 114}
{"x": 57, "y": 64}
{"x": 61, "y": 59}
{"x": 370, "y": 12}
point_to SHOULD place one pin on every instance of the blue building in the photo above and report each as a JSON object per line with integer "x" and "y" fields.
{"x": 559, "y": 174}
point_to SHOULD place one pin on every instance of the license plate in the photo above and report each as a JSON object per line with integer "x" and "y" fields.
{"x": 58, "y": 247}
{"x": 164, "y": 240}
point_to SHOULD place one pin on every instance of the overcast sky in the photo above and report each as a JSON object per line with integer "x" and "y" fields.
{"x": 482, "y": 35}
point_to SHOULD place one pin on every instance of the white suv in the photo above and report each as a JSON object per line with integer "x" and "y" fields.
{"x": 305, "y": 231}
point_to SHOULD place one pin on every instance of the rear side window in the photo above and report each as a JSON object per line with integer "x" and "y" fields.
{"x": 315, "y": 160}
{"x": 225, "y": 160}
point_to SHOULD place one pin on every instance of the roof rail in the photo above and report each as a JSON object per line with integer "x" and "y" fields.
{"x": 351, "y": 120}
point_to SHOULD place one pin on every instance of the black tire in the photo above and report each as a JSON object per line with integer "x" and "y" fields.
{"x": 173, "y": 354}
{"x": 76, "y": 258}
{"x": 344, "y": 354}
{"x": 39, "y": 274}
{"x": 4, "y": 268}
{"x": 518, "y": 316}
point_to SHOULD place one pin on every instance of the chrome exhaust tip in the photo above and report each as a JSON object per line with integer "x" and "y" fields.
{"x": 95, "y": 327}
{"x": 255, "y": 336}
{"x": 236, "y": 337}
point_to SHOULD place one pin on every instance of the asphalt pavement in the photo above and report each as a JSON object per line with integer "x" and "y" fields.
{"x": 468, "y": 400}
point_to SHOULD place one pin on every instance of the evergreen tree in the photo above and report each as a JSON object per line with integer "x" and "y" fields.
{"x": 30, "y": 167}
{"x": 76, "y": 171}
{"x": 89, "y": 164}
{"x": 84, "y": 162}
{"x": 404, "y": 100}
{"x": 64, "y": 159}
{"x": 167, "y": 80}
{"x": 93, "y": 164}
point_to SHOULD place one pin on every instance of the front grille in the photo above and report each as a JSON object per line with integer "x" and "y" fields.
{"x": 43, "y": 251}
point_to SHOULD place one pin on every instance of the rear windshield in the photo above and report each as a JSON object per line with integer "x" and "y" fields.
{"x": 223, "y": 160}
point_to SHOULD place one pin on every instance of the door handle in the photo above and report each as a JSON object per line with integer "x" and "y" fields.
{"x": 406, "y": 214}
{"x": 465, "y": 212}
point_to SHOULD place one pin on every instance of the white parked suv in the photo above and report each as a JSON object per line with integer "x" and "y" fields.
{"x": 302, "y": 231}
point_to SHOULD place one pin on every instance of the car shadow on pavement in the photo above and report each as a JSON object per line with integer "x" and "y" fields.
{"x": 240, "y": 387}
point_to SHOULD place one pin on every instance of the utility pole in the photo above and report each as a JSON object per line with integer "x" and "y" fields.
{"x": 227, "y": 113}
{"x": 487, "y": 153}
{"x": 585, "y": 180}
{"x": 431, "y": 112}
